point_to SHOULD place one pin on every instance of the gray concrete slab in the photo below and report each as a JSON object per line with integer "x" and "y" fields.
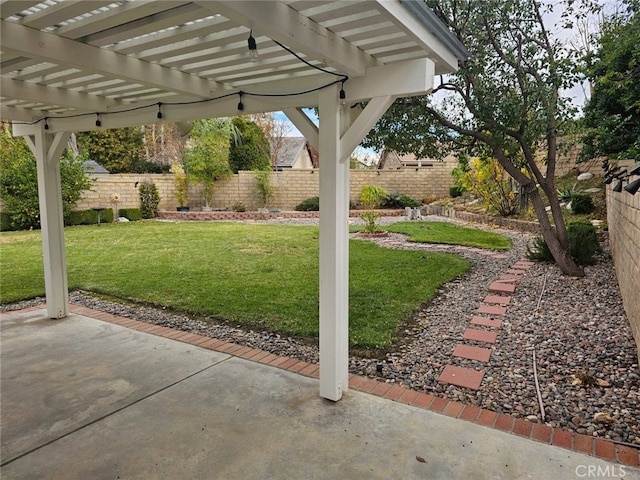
{"x": 168, "y": 410}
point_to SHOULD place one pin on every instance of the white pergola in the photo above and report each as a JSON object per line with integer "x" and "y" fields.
{"x": 79, "y": 65}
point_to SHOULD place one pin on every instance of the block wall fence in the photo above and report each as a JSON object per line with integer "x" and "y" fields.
{"x": 623, "y": 218}
{"x": 290, "y": 187}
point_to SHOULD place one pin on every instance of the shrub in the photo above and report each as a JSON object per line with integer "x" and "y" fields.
{"x": 132, "y": 214}
{"x": 582, "y": 203}
{"x": 456, "y": 191}
{"x": 5, "y": 222}
{"x": 372, "y": 195}
{"x": 239, "y": 207}
{"x": 89, "y": 217}
{"x": 486, "y": 179}
{"x": 583, "y": 245}
{"x": 252, "y": 150}
{"x": 397, "y": 200}
{"x": 149, "y": 199}
{"x": 263, "y": 190}
{"x": 19, "y": 181}
{"x": 309, "y": 205}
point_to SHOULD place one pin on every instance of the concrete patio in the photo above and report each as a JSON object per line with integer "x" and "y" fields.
{"x": 83, "y": 398}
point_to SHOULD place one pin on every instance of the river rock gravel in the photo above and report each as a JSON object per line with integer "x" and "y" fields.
{"x": 586, "y": 359}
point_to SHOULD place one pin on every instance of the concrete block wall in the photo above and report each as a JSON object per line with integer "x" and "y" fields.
{"x": 623, "y": 218}
{"x": 290, "y": 187}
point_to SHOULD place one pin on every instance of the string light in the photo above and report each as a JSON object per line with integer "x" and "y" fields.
{"x": 159, "y": 115}
{"x": 343, "y": 94}
{"x": 253, "y": 47}
{"x": 240, "y": 104}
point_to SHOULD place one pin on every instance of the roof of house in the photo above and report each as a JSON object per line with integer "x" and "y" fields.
{"x": 289, "y": 151}
{"x": 91, "y": 166}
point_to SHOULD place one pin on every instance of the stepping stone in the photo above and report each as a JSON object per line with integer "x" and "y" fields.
{"x": 462, "y": 377}
{"x": 501, "y": 287}
{"x": 492, "y": 309}
{"x": 501, "y": 299}
{"x": 521, "y": 266}
{"x": 480, "y": 335}
{"x": 499, "y": 256}
{"x": 486, "y": 322}
{"x": 472, "y": 353}
{"x": 506, "y": 277}
{"x": 519, "y": 273}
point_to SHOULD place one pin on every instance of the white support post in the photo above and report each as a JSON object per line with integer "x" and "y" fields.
{"x": 334, "y": 248}
{"x": 47, "y": 149}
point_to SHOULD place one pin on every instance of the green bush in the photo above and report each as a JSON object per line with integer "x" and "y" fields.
{"x": 397, "y": 200}
{"x": 456, "y": 191}
{"x": 88, "y": 217}
{"x": 583, "y": 245}
{"x": 582, "y": 203}
{"x": 239, "y": 207}
{"x": 149, "y": 199}
{"x": 309, "y": 205}
{"x": 19, "y": 181}
{"x": 5, "y": 222}
{"x": 132, "y": 214}
{"x": 251, "y": 151}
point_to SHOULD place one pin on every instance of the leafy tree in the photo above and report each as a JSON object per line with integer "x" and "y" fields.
{"x": 251, "y": 151}
{"x": 19, "y": 181}
{"x": 119, "y": 150}
{"x": 612, "y": 116}
{"x": 206, "y": 158}
{"x": 505, "y": 97}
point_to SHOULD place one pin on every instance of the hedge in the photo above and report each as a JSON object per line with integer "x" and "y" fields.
{"x": 131, "y": 214}
{"x": 89, "y": 217}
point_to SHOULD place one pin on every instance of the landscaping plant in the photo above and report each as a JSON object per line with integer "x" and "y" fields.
{"x": 370, "y": 197}
{"x": 19, "y": 182}
{"x": 149, "y": 199}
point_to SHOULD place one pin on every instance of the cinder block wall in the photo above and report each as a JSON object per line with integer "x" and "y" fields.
{"x": 623, "y": 218}
{"x": 290, "y": 187}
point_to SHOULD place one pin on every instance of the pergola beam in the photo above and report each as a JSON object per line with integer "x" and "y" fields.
{"x": 59, "y": 96}
{"x": 413, "y": 77}
{"x": 306, "y": 126}
{"x": 63, "y": 51}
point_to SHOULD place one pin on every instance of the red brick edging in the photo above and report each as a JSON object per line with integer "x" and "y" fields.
{"x": 597, "y": 447}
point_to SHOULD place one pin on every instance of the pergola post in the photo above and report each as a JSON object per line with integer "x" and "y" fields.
{"x": 47, "y": 149}
{"x": 334, "y": 248}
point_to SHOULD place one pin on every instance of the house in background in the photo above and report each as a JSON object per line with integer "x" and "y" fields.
{"x": 390, "y": 160}
{"x": 93, "y": 167}
{"x": 293, "y": 153}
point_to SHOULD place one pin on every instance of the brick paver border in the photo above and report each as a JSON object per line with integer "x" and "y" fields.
{"x": 625, "y": 454}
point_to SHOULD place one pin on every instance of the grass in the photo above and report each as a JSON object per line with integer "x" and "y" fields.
{"x": 260, "y": 276}
{"x": 448, "y": 233}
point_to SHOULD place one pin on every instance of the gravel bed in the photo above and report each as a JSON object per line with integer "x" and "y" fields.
{"x": 587, "y": 363}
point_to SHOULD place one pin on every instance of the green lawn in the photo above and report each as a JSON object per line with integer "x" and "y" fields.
{"x": 254, "y": 275}
{"x": 448, "y": 233}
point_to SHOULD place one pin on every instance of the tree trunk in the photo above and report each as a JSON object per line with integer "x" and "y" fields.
{"x": 560, "y": 253}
